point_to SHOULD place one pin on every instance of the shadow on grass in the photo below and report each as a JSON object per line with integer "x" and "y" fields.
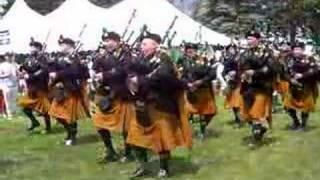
{"x": 8, "y": 163}
{"x": 88, "y": 139}
{"x": 213, "y": 133}
{"x": 210, "y": 133}
{"x": 178, "y": 166}
{"x": 57, "y": 130}
{"x": 41, "y": 131}
{"x": 307, "y": 129}
{"x": 250, "y": 142}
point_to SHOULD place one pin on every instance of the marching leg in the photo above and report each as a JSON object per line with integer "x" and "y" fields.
{"x": 304, "y": 119}
{"x": 67, "y": 128}
{"x": 164, "y": 164}
{"x": 236, "y": 112}
{"x": 111, "y": 155}
{"x": 141, "y": 156}
{"x": 47, "y": 122}
{"x": 295, "y": 121}
{"x": 34, "y": 122}
{"x": 127, "y": 150}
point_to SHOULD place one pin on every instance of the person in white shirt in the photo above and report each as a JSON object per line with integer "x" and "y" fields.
{"x": 8, "y": 85}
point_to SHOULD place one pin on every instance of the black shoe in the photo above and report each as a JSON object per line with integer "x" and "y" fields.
{"x": 33, "y": 126}
{"x": 140, "y": 172}
{"x": 263, "y": 131}
{"x": 295, "y": 126}
{"x": 258, "y": 131}
{"x": 238, "y": 125}
{"x": 303, "y": 127}
{"x": 110, "y": 158}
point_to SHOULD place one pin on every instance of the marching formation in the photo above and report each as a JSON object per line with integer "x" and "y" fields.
{"x": 151, "y": 96}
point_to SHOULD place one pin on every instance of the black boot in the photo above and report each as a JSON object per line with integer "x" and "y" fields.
{"x": 258, "y": 131}
{"x": 34, "y": 122}
{"x": 295, "y": 121}
{"x": 204, "y": 122}
{"x": 164, "y": 165}
{"x": 304, "y": 119}
{"x": 111, "y": 155}
{"x": 47, "y": 123}
{"x": 67, "y": 129}
{"x": 203, "y": 130}
{"x": 127, "y": 154}
{"x": 73, "y": 134}
{"x": 237, "y": 120}
{"x": 141, "y": 156}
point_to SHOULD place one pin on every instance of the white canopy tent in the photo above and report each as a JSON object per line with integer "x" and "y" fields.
{"x": 21, "y": 23}
{"x": 68, "y": 20}
{"x": 71, "y": 16}
{"x": 158, "y": 15}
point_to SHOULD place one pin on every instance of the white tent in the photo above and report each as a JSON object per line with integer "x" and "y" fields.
{"x": 158, "y": 15}
{"x": 69, "y": 19}
{"x": 71, "y": 16}
{"x": 21, "y": 23}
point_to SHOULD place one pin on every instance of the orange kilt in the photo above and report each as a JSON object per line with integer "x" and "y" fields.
{"x": 259, "y": 111}
{"x": 70, "y": 109}
{"x": 40, "y": 102}
{"x": 205, "y": 102}
{"x": 232, "y": 99}
{"x": 166, "y": 131}
{"x": 306, "y": 103}
{"x": 282, "y": 87}
{"x": 111, "y": 120}
{"x": 126, "y": 114}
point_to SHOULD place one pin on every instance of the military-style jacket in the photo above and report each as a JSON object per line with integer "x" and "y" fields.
{"x": 157, "y": 81}
{"x": 71, "y": 73}
{"x": 36, "y": 66}
{"x": 261, "y": 61}
{"x": 198, "y": 69}
{"x": 231, "y": 63}
{"x": 303, "y": 65}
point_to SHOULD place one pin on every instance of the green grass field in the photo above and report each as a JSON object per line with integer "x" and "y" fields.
{"x": 225, "y": 155}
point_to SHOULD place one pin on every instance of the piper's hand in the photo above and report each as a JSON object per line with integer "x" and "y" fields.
{"x": 191, "y": 87}
{"x": 26, "y": 76}
{"x": 99, "y": 76}
{"x": 298, "y": 76}
{"x": 295, "y": 82}
{"x": 197, "y": 82}
{"x": 249, "y": 72}
{"x": 133, "y": 85}
{"x": 232, "y": 73}
{"x": 52, "y": 75}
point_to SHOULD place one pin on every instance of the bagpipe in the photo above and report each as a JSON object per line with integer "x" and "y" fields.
{"x": 297, "y": 85}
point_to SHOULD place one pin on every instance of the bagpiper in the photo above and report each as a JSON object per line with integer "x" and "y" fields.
{"x": 68, "y": 78}
{"x": 257, "y": 77}
{"x": 35, "y": 70}
{"x": 231, "y": 75}
{"x": 198, "y": 74}
{"x": 111, "y": 105}
{"x": 159, "y": 119}
{"x": 303, "y": 90}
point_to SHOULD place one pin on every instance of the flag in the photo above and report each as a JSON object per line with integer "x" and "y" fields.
{"x": 4, "y": 37}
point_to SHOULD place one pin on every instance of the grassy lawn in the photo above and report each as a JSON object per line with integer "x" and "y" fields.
{"x": 225, "y": 155}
